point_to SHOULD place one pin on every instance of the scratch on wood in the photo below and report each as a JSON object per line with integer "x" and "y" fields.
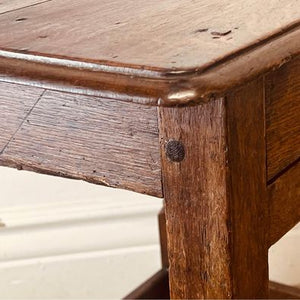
{"x": 21, "y": 124}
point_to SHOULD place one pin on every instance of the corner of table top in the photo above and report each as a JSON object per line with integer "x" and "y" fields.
{"x": 150, "y": 85}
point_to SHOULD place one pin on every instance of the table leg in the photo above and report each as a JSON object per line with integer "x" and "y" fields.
{"x": 214, "y": 180}
{"x": 163, "y": 238}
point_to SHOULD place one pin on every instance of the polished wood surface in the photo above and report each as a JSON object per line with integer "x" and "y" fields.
{"x": 81, "y": 137}
{"x": 193, "y": 101}
{"x": 176, "y": 34}
{"x": 111, "y": 58}
{"x": 143, "y": 87}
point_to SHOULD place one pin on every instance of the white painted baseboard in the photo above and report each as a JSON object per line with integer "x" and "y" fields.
{"x": 71, "y": 227}
{"x": 65, "y": 239}
{"x": 70, "y": 239}
{"x": 109, "y": 274}
{"x": 77, "y": 250}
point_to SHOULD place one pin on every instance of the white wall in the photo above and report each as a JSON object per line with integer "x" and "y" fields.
{"x": 69, "y": 239}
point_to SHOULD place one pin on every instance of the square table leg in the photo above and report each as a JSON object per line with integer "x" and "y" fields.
{"x": 214, "y": 180}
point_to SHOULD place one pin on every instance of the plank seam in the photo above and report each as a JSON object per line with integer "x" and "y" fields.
{"x": 21, "y": 124}
{"x": 19, "y": 8}
{"x": 284, "y": 170}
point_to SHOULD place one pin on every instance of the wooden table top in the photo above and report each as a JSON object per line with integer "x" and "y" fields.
{"x": 149, "y": 39}
{"x": 181, "y": 34}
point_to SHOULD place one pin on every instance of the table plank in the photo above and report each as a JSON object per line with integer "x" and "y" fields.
{"x": 99, "y": 140}
{"x": 9, "y": 5}
{"x": 145, "y": 86}
{"x": 168, "y": 34}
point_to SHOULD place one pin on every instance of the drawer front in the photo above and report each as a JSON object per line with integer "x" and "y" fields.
{"x": 282, "y": 91}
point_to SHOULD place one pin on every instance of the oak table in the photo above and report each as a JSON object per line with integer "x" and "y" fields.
{"x": 193, "y": 101}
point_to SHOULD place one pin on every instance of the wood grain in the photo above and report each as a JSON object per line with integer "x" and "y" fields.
{"x": 147, "y": 86}
{"x": 99, "y": 140}
{"x": 281, "y": 291}
{"x": 13, "y": 109}
{"x": 247, "y": 190}
{"x": 282, "y": 117}
{"x": 196, "y": 203}
{"x": 156, "y": 287}
{"x": 180, "y": 34}
{"x": 284, "y": 199}
{"x": 9, "y": 5}
{"x": 163, "y": 238}
{"x": 216, "y": 210}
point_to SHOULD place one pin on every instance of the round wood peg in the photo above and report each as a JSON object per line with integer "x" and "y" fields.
{"x": 175, "y": 150}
